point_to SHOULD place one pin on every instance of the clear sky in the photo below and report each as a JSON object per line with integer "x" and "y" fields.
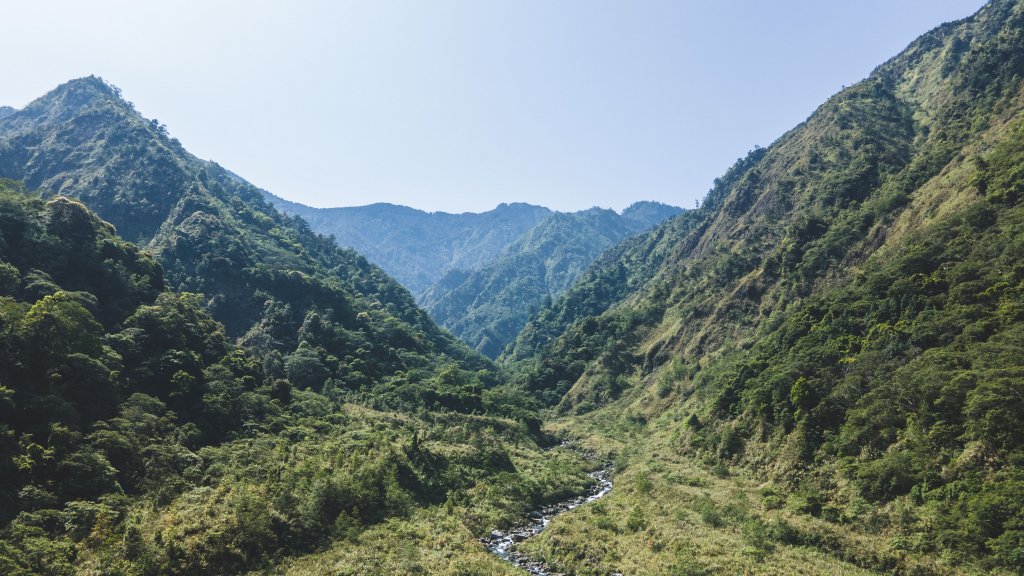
{"x": 459, "y": 105}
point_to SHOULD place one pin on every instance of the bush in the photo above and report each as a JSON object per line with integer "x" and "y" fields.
{"x": 637, "y": 520}
{"x": 708, "y": 511}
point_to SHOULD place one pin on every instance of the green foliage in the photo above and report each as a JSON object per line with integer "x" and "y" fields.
{"x": 636, "y": 521}
{"x": 153, "y": 445}
{"x": 305, "y": 369}
{"x": 265, "y": 276}
{"x": 850, "y": 300}
{"x": 906, "y": 369}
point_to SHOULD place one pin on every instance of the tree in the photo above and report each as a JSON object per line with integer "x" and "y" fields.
{"x": 305, "y": 369}
{"x": 57, "y": 326}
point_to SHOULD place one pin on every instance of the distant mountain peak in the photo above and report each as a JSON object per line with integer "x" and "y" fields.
{"x": 648, "y": 205}
{"x": 648, "y": 212}
{"x": 640, "y": 204}
{"x": 415, "y": 246}
{"x": 517, "y": 206}
{"x": 488, "y": 306}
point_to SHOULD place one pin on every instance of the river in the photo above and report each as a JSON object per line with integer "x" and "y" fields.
{"x": 505, "y": 543}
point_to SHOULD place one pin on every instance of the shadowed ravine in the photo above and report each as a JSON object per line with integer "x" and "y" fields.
{"x": 505, "y": 543}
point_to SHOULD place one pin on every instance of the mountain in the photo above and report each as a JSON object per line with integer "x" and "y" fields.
{"x": 277, "y": 287}
{"x": 192, "y": 382}
{"x": 417, "y": 248}
{"x": 6, "y": 111}
{"x": 617, "y": 273}
{"x": 835, "y": 334}
{"x": 487, "y": 307}
{"x": 645, "y": 214}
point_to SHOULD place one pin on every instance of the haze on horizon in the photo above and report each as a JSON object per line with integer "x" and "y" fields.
{"x": 458, "y": 105}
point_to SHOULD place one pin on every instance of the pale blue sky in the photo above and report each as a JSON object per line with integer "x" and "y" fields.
{"x": 459, "y": 105}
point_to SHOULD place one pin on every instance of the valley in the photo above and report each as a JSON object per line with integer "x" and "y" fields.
{"x": 818, "y": 370}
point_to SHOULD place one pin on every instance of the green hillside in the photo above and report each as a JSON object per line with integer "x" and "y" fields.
{"x": 272, "y": 282}
{"x": 837, "y": 324}
{"x": 135, "y": 438}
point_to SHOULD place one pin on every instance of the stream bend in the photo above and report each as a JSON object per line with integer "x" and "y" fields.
{"x": 504, "y": 543}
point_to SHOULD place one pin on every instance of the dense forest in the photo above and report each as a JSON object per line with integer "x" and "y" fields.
{"x": 138, "y": 438}
{"x": 817, "y": 371}
{"x": 272, "y": 282}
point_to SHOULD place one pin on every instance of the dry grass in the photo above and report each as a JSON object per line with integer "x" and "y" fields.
{"x": 672, "y": 515}
{"x": 430, "y": 542}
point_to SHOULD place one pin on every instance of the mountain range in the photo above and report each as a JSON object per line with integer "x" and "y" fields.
{"x": 487, "y": 307}
{"x": 480, "y": 275}
{"x": 817, "y": 371}
{"x": 415, "y": 247}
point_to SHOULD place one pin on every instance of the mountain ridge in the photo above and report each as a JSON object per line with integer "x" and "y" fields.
{"x": 831, "y": 321}
{"x": 416, "y": 246}
{"x": 419, "y": 247}
{"x": 260, "y": 271}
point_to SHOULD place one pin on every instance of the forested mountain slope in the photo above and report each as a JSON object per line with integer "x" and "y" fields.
{"x": 135, "y": 438}
{"x": 140, "y": 435}
{"x": 840, "y": 320}
{"x": 277, "y": 287}
{"x": 487, "y": 307}
{"x": 415, "y": 247}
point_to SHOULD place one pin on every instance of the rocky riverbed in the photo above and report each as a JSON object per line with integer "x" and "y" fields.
{"x": 504, "y": 543}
